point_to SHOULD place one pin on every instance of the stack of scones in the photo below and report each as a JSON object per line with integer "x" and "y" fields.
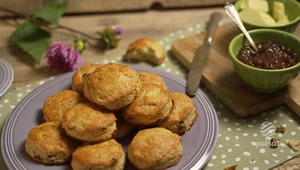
{"x": 108, "y": 102}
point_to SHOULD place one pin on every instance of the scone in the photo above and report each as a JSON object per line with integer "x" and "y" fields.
{"x": 155, "y": 149}
{"x": 124, "y": 128}
{"x": 107, "y": 155}
{"x": 86, "y": 90}
{"x": 56, "y": 105}
{"x": 152, "y": 104}
{"x": 183, "y": 114}
{"x": 80, "y": 75}
{"x": 152, "y": 78}
{"x": 48, "y": 144}
{"x": 145, "y": 49}
{"x": 112, "y": 86}
{"x": 89, "y": 123}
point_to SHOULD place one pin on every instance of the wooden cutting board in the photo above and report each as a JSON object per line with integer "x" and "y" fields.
{"x": 220, "y": 78}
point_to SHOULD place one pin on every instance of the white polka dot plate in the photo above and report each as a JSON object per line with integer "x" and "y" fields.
{"x": 6, "y": 76}
{"x": 198, "y": 143}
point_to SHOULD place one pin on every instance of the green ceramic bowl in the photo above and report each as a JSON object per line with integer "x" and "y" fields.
{"x": 264, "y": 80}
{"x": 292, "y": 10}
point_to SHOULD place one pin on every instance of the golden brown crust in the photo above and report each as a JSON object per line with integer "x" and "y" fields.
{"x": 145, "y": 49}
{"x": 88, "y": 122}
{"x": 152, "y": 104}
{"x": 183, "y": 114}
{"x": 156, "y": 148}
{"x": 112, "y": 86}
{"x": 80, "y": 75}
{"x": 152, "y": 78}
{"x": 56, "y": 105}
{"x": 124, "y": 128}
{"x": 107, "y": 155}
{"x": 48, "y": 144}
{"x": 86, "y": 90}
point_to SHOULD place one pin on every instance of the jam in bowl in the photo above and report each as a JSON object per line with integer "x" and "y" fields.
{"x": 275, "y": 65}
{"x": 270, "y": 55}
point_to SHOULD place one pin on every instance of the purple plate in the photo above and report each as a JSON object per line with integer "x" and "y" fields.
{"x": 198, "y": 143}
{"x": 6, "y": 76}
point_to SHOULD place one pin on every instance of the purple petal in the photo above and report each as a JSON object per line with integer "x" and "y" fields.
{"x": 63, "y": 58}
{"x": 119, "y": 30}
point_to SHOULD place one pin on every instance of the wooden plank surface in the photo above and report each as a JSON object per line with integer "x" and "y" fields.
{"x": 155, "y": 24}
{"x": 27, "y": 7}
{"x": 220, "y": 77}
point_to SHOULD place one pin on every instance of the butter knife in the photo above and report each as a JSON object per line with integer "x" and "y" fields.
{"x": 201, "y": 56}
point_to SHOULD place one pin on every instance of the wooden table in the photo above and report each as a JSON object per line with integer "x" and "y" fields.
{"x": 152, "y": 23}
{"x": 145, "y": 23}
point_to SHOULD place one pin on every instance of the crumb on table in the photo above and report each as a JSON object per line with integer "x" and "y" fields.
{"x": 280, "y": 129}
{"x": 293, "y": 144}
{"x": 230, "y": 167}
{"x": 274, "y": 142}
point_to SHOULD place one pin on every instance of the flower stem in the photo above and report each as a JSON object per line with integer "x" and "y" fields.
{"x": 77, "y": 31}
{"x": 17, "y": 14}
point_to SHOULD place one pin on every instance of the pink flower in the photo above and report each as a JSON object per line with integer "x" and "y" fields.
{"x": 63, "y": 58}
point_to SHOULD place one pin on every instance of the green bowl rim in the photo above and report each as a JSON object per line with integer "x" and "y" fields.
{"x": 233, "y": 56}
{"x": 277, "y": 26}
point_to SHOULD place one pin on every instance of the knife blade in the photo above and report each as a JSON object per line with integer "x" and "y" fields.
{"x": 201, "y": 56}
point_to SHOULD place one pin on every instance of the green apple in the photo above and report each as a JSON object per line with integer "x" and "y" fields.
{"x": 255, "y": 17}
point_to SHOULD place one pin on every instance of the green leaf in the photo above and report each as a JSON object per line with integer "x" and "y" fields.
{"x": 51, "y": 11}
{"x": 31, "y": 39}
